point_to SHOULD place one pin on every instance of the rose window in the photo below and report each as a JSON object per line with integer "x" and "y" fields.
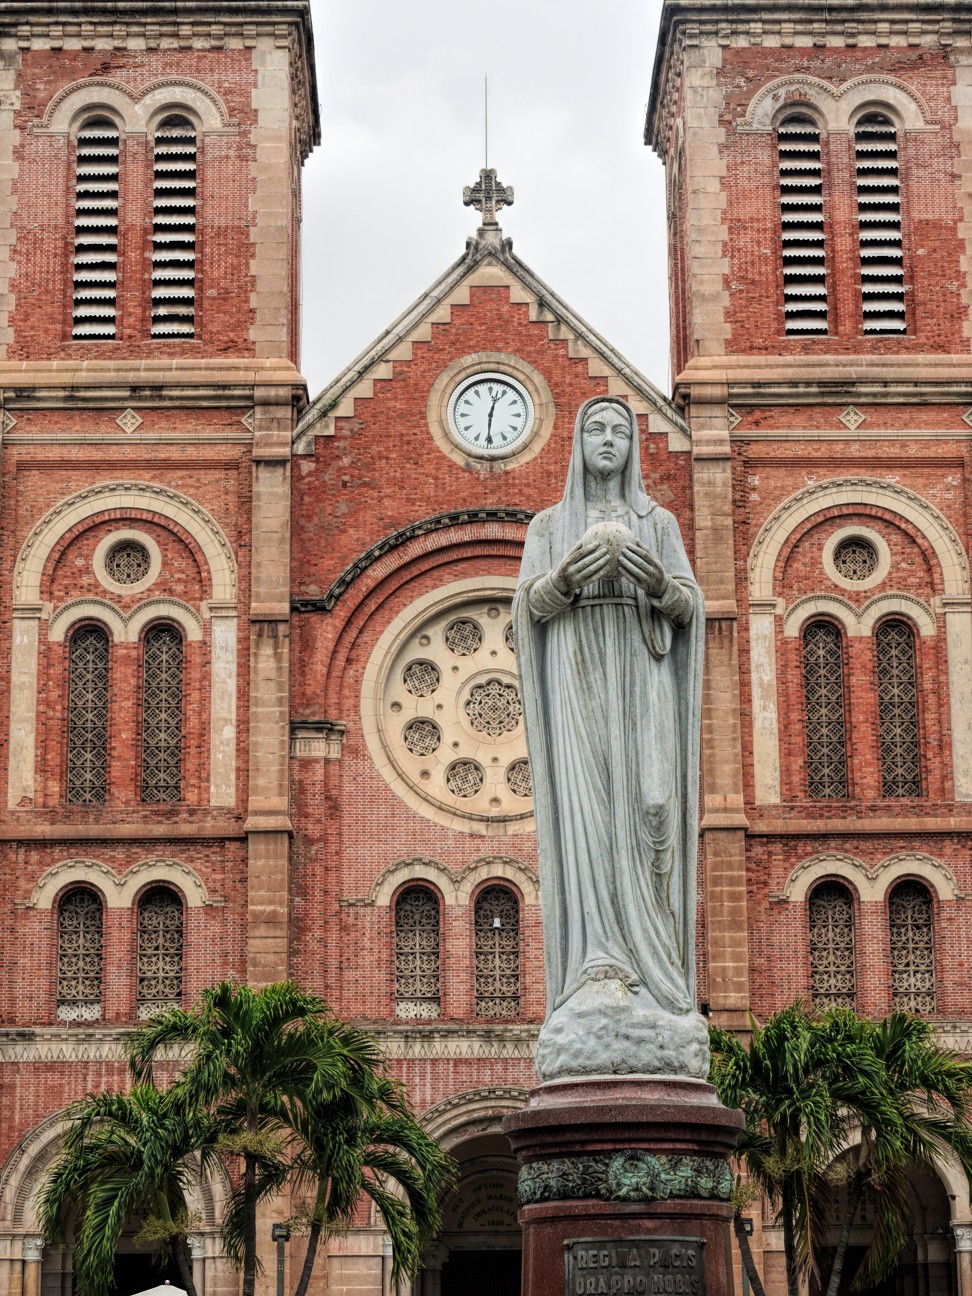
{"x": 127, "y": 562}
{"x": 450, "y": 718}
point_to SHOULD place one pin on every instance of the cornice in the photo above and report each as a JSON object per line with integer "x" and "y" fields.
{"x": 811, "y": 379}
{"x": 398, "y": 1043}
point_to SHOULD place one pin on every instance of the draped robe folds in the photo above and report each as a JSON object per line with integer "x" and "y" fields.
{"x": 611, "y": 683}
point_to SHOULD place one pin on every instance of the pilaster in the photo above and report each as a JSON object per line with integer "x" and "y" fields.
{"x": 268, "y": 819}
{"x": 723, "y": 827}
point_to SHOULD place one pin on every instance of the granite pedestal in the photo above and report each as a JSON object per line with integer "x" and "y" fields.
{"x": 624, "y": 1187}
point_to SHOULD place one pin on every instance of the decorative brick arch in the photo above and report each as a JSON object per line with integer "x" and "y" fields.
{"x": 764, "y": 607}
{"x": 418, "y": 869}
{"x": 499, "y": 868}
{"x": 871, "y": 882}
{"x": 838, "y": 106}
{"x": 125, "y": 628}
{"x": 29, "y": 609}
{"x": 475, "y": 1111}
{"x": 136, "y": 108}
{"x": 859, "y": 623}
{"x": 118, "y": 890}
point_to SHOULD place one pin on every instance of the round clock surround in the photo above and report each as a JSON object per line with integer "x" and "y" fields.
{"x": 520, "y": 389}
{"x": 490, "y": 414}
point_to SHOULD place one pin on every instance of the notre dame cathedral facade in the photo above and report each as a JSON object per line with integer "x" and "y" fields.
{"x": 259, "y": 713}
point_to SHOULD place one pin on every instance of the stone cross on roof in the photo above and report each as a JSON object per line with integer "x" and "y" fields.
{"x": 487, "y": 195}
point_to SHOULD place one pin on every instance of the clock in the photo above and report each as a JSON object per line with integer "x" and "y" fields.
{"x": 490, "y": 415}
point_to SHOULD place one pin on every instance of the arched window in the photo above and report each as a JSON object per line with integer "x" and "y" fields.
{"x": 162, "y": 715}
{"x": 894, "y": 647}
{"x": 159, "y": 952}
{"x": 87, "y": 721}
{"x": 879, "y": 224}
{"x": 79, "y": 956}
{"x": 96, "y": 230}
{"x": 833, "y": 976}
{"x": 497, "y": 953}
{"x": 823, "y": 685}
{"x": 912, "y": 935}
{"x": 802, "y": 219}
{"x": 174, "y": 230}
{"x": 417, "y": 991}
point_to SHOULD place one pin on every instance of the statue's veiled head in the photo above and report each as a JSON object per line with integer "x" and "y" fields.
{"x": 606, "y": 439}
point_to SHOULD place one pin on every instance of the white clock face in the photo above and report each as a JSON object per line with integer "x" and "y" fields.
{"x": 490, "y": 414}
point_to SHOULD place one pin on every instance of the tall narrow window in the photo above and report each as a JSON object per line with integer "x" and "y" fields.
{"x": 823, "y": 684}
{"x": 417, "y": 954}
{"x": 911, "y": 929}
{"x": 79, "y": 957}
{"x": 833, "y": 975}
{"x": 894, "y": 646}
{"x": 96, "y": 231}
{"x": 802, "y": 217}
{"x": 174, "y": 230}
{"x": 497, "y": 953}
{"x": 162, "y": 715}
{"x": 159, "y": 952}
{"x": 87, "y": 721}
{"x": 879, "y": 224}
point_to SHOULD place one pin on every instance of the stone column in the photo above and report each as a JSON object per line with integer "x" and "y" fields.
{"x": 33, "y": 1251}
{"x": 268, "y": 819}
{"x": 197, "y": 1253}
{"x": 724, "y": 824}
{"x": 963, "y": 1258}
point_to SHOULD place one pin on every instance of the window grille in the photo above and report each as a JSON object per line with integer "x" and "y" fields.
{"x": 823, "y": 683}
{"x": 497, "y": 953}
{"x": 911, "y": 929}
{"x": 96, "y": 231}
{"x": 162, "y": 715}
{"x": 174, "y": 230}
{"x": 79, "y": 957}
{"x": 417, "y": 954}
{"x": 128, "y": 562}
{"x": 802, "y": 219}
{"x": 159, "y": 952}
{"x": 894, "y": 646}
{"x": 855, "y": 559}
{"x": 87, "y": 739}
{"x": 833, "y": 977}
{"x": 879, "y": 224}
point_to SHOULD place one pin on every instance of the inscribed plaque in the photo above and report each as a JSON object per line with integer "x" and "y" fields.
{"x": 641, "y": 1266}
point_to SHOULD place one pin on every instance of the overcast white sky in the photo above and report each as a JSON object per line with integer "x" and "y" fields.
{"x": 401, "y": 86}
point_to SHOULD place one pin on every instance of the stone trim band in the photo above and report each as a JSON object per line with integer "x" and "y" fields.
{"x": 632, "y": 1175}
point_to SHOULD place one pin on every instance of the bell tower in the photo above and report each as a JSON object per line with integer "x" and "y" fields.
{"x": 818, "y": 164}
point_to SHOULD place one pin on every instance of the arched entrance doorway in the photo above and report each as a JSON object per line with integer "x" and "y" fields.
{"x": 927, "y": 1263}
{"x": 479, "y": 1247}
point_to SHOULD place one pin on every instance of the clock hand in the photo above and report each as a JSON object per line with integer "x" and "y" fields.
{"x": 489, "y": 422}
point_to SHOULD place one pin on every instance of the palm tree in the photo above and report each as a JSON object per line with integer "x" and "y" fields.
{"x": 126, "y": 1155}
{"x": 931, "y": 1090}
{"x": 345, "y": 1152}
{"x": 255, "y": 1058}
{"x": 801, "y": 1091}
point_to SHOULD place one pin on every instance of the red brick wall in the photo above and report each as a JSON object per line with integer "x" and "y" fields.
{"x": 930, "y": 214}
{"x": 44, "y": 216}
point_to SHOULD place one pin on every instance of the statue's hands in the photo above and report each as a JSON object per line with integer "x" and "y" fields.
{"x": 583, "y": 564}
{"x": 643, "y": 569}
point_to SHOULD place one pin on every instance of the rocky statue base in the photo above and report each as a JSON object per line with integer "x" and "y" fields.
{"x": 603, "y": 1029}
{"x": 624, "y": 1187}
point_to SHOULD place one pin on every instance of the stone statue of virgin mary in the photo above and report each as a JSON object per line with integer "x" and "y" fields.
{"x": 609, "y": 629}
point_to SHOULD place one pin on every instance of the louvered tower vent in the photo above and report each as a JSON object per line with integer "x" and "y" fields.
{"x": 879, "y": 224}
{"x": 174, "y": 230}
{"x": 802, "y": 217}
{"x": 96, "y": 231}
